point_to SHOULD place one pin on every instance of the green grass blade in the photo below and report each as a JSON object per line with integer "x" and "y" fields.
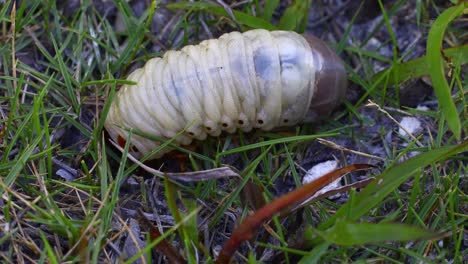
{"x": 436, "y": 66}
{"x": 315, "y": 254}
{"x": 136, "y": 34}
{"x": 274, "y": 142}
{"x": 269, "y": 9}
{"x": 294, "y": 15}
{"x": 21, "y": 161}
{"x": 171, "y": 196}
{"x": 48, "y": 248}
{"x": 71, "y": 89}
{"x": 347, "y": 234}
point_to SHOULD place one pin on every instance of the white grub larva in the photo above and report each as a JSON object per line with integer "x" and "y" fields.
{"x": 256, "y": 79}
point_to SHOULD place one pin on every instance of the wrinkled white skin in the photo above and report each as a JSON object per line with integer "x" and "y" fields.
{"x": 257, "y": 79}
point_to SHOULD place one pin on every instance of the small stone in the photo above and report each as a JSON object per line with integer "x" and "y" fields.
{"x": 319, "y": 170}
{"x": 441, "y": 243}
{"x": 65, "y": 175}
{"x": 422, "y": 108}
{"x": 410, "y": 124}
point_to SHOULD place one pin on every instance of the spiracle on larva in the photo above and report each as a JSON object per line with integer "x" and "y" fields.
{"x": 256, "y": 79}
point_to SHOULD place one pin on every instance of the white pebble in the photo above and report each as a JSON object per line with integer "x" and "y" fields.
{"x": 441, "y": 243}
{"x": 65, "y": 175}
{"x": 410, "y": 124}
{"x": 319, "y": 170}
{"x": 422, "y": 108}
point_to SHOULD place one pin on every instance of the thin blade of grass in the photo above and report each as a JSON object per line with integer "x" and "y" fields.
{"x": 274, "y": 142}
{"x": 71, "y": 89}
{"x": 191, "y": 231}
{"x": 294, "y": 15}
{"x": 347, "y": 233}
{"x": 50, "y": 252}
{"x": 269, "y": 9}
{"x": 136, "y": 34}
{"x": 315, "y": 254}
{"x": 105, "y": 110}
{"x": 103, "y": 170}
{"x": 170, "y": 193}
{"x": 20, "y": 162}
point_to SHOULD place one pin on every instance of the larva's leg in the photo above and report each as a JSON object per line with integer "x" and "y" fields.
{"x": 169, "y": 96}
{"x": 230, "y": 87}
{"x": 161, "y": 118}
{"x": 134, "y": 115}
{"x": 267, "y": 68}
{"x": 162, "y": 108}
{"x": 143, "y": 95}
{"x": 129, "y": 118}
{"x": 216, "y": 67}
{"x": 210, "y": 95}
{"x": 190, "y": 75}
{"x": 235, "y": 52}
{"x": 189, "y": 103}
{"x": 126, "y": 113}
{"x": 253, "y": 102}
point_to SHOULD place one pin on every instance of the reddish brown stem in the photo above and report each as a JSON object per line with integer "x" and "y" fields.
{"x": 252, "y": 222}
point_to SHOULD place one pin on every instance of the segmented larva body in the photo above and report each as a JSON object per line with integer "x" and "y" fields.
{"x": 257, "y": 79}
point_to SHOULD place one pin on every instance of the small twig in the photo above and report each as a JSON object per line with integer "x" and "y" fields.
{"x": 338, "y": 147}
{"x": 13, "y": 52}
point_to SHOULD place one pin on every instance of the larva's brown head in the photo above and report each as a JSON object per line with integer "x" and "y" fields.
{"x": 330, "y": 79}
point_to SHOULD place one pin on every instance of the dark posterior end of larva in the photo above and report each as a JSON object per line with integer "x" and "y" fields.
{"x": 330, "y": 79}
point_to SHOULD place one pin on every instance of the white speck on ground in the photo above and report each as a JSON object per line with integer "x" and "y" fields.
{"x": 441, "y": 243}
{"x": 65, "y": 175}
{"x": 410, "y": 124}
{"x": 422, "y": 108}
{"x": 319, "y": 170}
